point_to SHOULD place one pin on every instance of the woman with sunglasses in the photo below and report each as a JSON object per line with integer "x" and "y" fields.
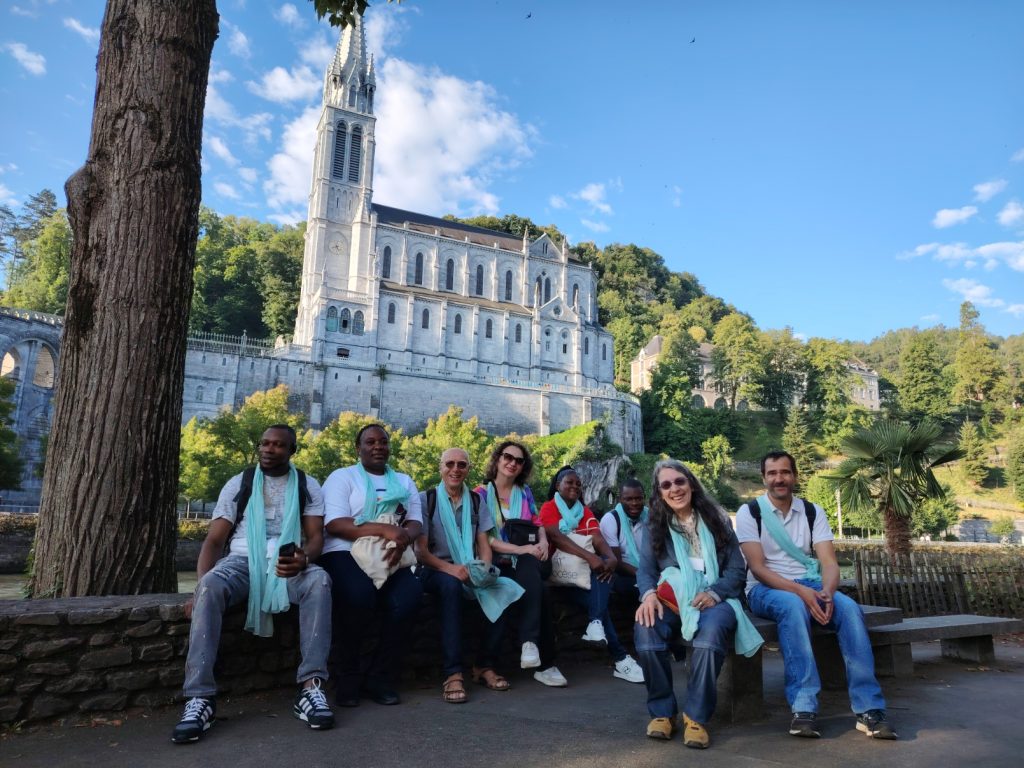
{"x": 691, "y": 562}
{"x": 509, "y": 498}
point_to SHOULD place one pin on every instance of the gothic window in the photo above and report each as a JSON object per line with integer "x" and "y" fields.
{"x": 540, "y": 287}
{"x": 358, "y": 323}
{"x": 385, "y": 269}
{"x": 508, "y": 285}
{"x": 426, "y": 318}
{"x": 391, "y": 313}
{"x": 586, "y": 346}
{"x": 604, "y": 351}
{"x": 332, "y": 319}
{"x": 220, "y": 396}
{"x": 479, "y": 288}
{"x": 458, "y": 323}
{"x": 345, "y": 321}
{"x": 489, "y": 329}
{"x": 576, "y": 297}
{"x": 338, "y": 165}
{"x": 199, "y": 394}
{"x": 565, "y": 349}
{"x": 449, "y": 275}
{"x": 355, "y": 152}
{"x": 418, "y": 274}
{"x": 547, "y": 289}
{"x": 519, "y": 333}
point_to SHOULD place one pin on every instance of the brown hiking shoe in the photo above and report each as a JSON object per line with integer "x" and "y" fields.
{"x": 661, "y": 728}
{"x": 695, "y": 735}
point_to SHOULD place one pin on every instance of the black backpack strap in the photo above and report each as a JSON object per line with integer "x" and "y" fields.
{"x": 304, "y": 494}
{"x": 242, "y": 498}
{"x": 755, "y": 512}
{"x": 431, "y": 504}
{"x": 812, "y": 514}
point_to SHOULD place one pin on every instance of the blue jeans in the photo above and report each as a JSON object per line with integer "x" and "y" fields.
{"x": 711, "y": 642}
{"x": 227, "y": 584}
{"x": 794, "y": 620}
{"x": 452, "y": 597}
{"x": 595, "y": 600}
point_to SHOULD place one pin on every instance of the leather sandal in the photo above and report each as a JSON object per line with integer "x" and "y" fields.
{"x": 490, "y": 679}
{"x": 453, "y": 690}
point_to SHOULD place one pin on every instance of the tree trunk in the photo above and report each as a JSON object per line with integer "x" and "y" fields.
{"x": 897, "y": 533}
{"x": 107, "y": 516}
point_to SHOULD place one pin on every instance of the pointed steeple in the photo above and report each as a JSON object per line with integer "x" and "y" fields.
{"x": 350, "y": 80}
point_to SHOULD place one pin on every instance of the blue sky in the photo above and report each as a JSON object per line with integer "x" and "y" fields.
{"x": 840, "y": 168}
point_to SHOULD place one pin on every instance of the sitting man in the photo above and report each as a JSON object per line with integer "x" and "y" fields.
{"x": 792, "y": 579}
{"x": 258, "y": 515}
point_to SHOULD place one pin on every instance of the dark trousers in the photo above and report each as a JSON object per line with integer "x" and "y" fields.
{"x": 356, "y": 603}
{"x": 533, "y": 609}
{"x": 451, "y": 598}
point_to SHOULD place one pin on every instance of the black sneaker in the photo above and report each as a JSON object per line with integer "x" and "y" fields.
{"x": 804, "y": 724}
{"x": 196, "y": 720}
{"x": 873, "y": 724}
{"x": 311, "y": 707}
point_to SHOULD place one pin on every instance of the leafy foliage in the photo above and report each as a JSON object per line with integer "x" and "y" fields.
{"x": 11, "y": 464}
{"x": 796, "y": 440}
{"x": 973, "y": 464}
{"x": 1015, "y": 463}
{"x": 335, "y": 445}
{"x": 39, "y": 278}
{"x": 449, "y": 430}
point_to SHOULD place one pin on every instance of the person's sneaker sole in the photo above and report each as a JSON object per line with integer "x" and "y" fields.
{"x": 887, "y": 735}
{"x": 804, "y": 733}
{"x": 189, "y": 739}
{"x": 625, "y": 677}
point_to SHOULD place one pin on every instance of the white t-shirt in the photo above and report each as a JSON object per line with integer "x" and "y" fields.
{"x": 795, "y": 524}
{"x": 344, "y": 496}
{"x": 610, "y": 527}
{"x": 273, "y": 507}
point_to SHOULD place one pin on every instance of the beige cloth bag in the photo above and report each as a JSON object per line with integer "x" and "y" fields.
{"x": 369, "y": 554}
{"x": 571, "y": 570}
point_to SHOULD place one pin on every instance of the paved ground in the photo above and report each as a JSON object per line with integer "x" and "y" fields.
{"x": 950, "y": 714}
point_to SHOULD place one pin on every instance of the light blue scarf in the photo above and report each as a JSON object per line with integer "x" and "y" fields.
{"x": 571, "y": 516}
{"x": 515, "y": 506}
{"x": 268, "y": 593}
{"x": 395, "y": 493}
{"x": 629, "y": 550}
{"x": 777, "y": 531}
{"x": 494, "y": 596}
{"x": 687, "y": 582}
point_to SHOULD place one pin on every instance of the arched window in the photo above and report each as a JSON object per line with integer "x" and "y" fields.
{"x": 199, "y": 394}
{"x": 508, "y": 285}
{"x": 332, "y": 319}
{"x": 458, "y": 323}
{"x": 449, "y": 275}
{"x": 391, "y": 313}
{"x": 478, "y": 289}
{"x": 698, "y": 402}
{"x": 489, "y": 329}
{"x": 586, "y": 345}
{"x": 355, "y": 152}
{"x": 539, "y": 289}
{"x": 519, "y": 333}
{"x": 220, "y": 396}
{"x": 426, "y": 318}
{"x": 338, "y": 163}
{"x": 418, "y": 274}
{"x": 576, "y": 297}
{"x": 385, "y": 269}
{"x": 345, "y": 321}
{"x": 547, "y": 289}
{"x": 358, "y": 323}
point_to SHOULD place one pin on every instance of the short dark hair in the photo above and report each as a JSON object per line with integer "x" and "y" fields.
{"x": 381, "y": 427}
{"x": 631, "y": 482}
{"x": 776, "y": 455}
{"x": 286, "y": 428}
{"x": 491, "y": 470}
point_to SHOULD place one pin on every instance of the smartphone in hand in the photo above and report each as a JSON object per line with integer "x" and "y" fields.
{"x": 287, "y": 550}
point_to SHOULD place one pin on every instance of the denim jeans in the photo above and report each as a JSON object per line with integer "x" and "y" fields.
{"x": 711, "y": 642}
{"x": 227, "y": 584}
{"x": 794, "y": 620}
{"x": 595, "y": 600}
{"x": 451, "y": 596}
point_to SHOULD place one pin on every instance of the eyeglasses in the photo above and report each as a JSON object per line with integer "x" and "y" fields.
{"x": 678, "y": 482}
{"x": 454, "y": 464}
{"x": 517, "y": 460}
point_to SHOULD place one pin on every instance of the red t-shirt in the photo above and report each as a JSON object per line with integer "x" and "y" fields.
{"x": 549, "y": 515}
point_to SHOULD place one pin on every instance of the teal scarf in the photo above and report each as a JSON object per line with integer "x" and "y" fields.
{"x": 394, "y": 494}
{"x": 494, "y": 593}
{"x": 268, "y": 593}
{"x": 687, "y": 582}
{"x": 629, "y": 550}
{"x": 515, "y": 505}
{"x": 777, "y": 531}
{"x": 571, "y": 516}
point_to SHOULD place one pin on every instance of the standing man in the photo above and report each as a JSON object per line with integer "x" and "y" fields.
{"x": 264, "y": 514}
{"x": 793, "y": 577}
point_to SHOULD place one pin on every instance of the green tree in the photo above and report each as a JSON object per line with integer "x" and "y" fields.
{"x": 976, "y": 366}
{"x": 335, "y": 445}
{"x": 889, "y": 467}
{"x": 933, "y": 517}
{"x": 717, "y": 458}
{"x": 923, "y": 388}
{"x": 779, "y": 374}
{"x": 39, "y": 279}
{"x": 1015, "y": 462}
{"x": 827, "y": 392}
{"x": 973, "y": 464}
{"x": 1003, "y": 527}
{"x": 11, "y": 464}
{"x": 822, "y": 491}
{"x": 736, "y": 358}
{"x": 422, "y": 453}
{"x": 796, "y": 440}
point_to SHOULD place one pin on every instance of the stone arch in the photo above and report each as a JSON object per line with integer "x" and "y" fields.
{"x": 721, "y": 404}
{"x": 697, "y": 401}
{"x": 45, "y": 372}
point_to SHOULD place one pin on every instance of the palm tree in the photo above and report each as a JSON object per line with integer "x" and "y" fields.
{"x": 888, "y": 467}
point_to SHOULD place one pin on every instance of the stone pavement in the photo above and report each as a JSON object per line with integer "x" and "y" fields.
{"x": 949, "y": 714}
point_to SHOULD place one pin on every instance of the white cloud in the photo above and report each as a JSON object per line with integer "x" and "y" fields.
{"x": 677, "y": 196}
{"x": 221, "y": 150}
{"x": 7, "y": 196}
{"x": 557, "y": 202}
{"x": 33, "y": 63}
{"x": 384, "y": 29}
{"x": 238, "y": 43}
{"x": 1012, "y": 214}
{"x": 248, "y": 175}
{"x": 594, "y": 226}
{"x": 974, "y": 292}
{"x": 221, "y": 76}
{"x": 1007, "y": 252}
{"x": 317, "y": 51}
{"x": 987, "y": 190}
{"x": 940, "y": 251}
{"x": 594, "y": 194}
{"x": 281, "y": 86}
{"x": 91, "y": 35}
{"x": 1017, "y": 310}
{"x": 947, "y": 217}
{"x": 288, "y": 217}
{"x": 254, "y": 127}
{"x": 288, "y": 14}
{"x": 290, "y": 168}
{"x": 1010, "y": 253}
{"x": 932, "y": 318}
{"x": 7, "y": 167}
{"x": 225, "y": 190}
{"x": 17, "y": 10}
{"x": 1018, "y": 156}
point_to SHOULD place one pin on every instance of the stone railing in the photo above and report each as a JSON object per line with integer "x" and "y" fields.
{"x": 32, "y": 316}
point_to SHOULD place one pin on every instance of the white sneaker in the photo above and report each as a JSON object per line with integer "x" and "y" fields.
{"x": 530, "y": 657}
{"x": 629, "y": 670}
{"x": 551, "y": 676}
{"x": 595, "y": 632}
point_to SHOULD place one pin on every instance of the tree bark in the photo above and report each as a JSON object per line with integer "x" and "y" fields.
{"x": 107, "y": 516}
{"x": 897, "y": 533}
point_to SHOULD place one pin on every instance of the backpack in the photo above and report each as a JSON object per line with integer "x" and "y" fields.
{"x": 809, "y": 509}
{"x": 245, "y": 492}
{"x": 474, "y": 514}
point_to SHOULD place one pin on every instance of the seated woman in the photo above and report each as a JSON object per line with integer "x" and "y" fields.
{"x": 454, "y": 537}
{"x": 690, "y": 557}
{"x": 354, "y": 498}
{"x": 509, "y": 499}
{"x": 565, "y": 514}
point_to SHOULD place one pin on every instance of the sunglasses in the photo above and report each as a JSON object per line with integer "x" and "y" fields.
{"x": 517, "y": 460}
{"x": 454, "y": 464}
{"x": 678, "y": 482}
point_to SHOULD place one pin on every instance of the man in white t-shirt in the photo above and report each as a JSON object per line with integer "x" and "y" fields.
{"x": 793, "y": 579}
{"x": 224, "y": 582}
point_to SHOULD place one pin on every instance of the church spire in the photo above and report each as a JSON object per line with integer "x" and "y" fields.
{"x": 350, "y": 80}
